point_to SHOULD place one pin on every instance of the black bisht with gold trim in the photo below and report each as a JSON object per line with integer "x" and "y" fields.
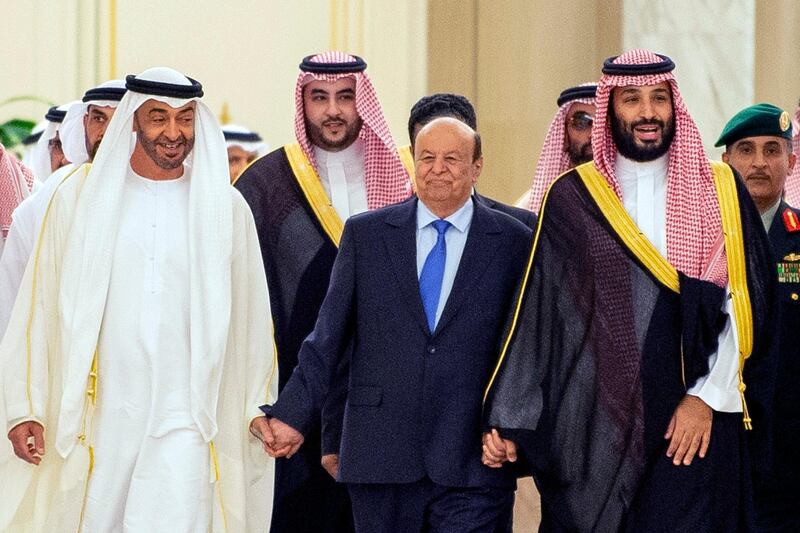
{"x": 299, "y": 234}
{"x": 600, "y": 351}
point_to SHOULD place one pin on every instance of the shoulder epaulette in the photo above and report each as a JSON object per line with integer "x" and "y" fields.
{"x": 790, "y": 220}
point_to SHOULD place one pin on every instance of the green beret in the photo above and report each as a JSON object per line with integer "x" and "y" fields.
{"x": 759, "y": 119}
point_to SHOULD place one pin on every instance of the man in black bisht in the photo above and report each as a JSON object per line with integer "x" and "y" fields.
{"x": 344, "y": 162}
{"x": 639, "y": 350}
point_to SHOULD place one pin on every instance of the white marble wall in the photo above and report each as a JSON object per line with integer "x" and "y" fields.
{"x": 713, "y": 45}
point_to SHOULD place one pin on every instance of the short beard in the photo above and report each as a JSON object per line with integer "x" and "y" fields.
{"x": 626, "y": 143}
{"x": 149, "y": 148}
{"x": 579, "y": 155}
{"x": 317, "y": 138}
{"x": 92, "y": 149}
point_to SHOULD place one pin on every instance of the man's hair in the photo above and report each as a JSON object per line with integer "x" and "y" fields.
{"x": 441, "y": 105}
{"x": 476, "y": 152}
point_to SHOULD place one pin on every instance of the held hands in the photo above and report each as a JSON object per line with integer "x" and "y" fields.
{"x": 28, "y": 441}
{"x": 497, "y": 450}
{"x": 689, "y": 430}
{"x": 279, "y": 439}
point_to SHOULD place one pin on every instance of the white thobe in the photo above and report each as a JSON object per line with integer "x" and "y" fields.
{"x": 342, "y": 177}
{"x": 26, "y": 222}
{"x": 151, "y": 468}
{"x": 644, "y": 195}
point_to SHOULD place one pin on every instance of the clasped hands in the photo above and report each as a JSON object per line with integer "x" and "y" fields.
{"x": 278, "y": 439}
{"x": 688, "y": 433}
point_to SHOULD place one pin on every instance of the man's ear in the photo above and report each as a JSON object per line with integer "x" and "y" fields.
{"x": 478, "y": 168}
{"x": 725, "y": 157}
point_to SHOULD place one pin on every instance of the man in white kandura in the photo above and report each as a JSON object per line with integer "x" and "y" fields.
{"x": 140, "y": 348}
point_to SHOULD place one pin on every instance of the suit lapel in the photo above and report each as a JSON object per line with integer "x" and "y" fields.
{"x": 478, "y": 253}
{"x": 401, "y": 246}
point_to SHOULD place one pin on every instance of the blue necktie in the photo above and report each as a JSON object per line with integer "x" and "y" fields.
{"x": 430, "y": 279}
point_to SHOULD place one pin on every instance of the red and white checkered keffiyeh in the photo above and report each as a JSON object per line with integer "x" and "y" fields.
{"x": 386, "y": 179}
{"x": 791, "y": 189}
{"x": 553, "y": 159}
{"x": 694, "y": 226}
{"x": 16, "y": 181}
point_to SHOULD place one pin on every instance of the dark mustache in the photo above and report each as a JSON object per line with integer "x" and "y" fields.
{"x": 648, "y": 122}
{"x": 164, "y": 140}
{"x": 333, "y": 121}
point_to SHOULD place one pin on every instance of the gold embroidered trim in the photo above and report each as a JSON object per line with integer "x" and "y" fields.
{"x": 312, "y": 188}
{"x": 407, "y": 158}
{"x": 35, "y": 283}
{"x": 524, "y": 285}
{"x": 737, "y": 273}
{"x": 624, "y": 226}
{"x": 213, "y": 451}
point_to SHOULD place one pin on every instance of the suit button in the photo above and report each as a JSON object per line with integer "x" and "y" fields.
{"x": 795, "y": 297}
{"x": 431, "y": 349}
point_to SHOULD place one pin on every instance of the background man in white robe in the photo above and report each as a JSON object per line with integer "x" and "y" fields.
{"x": 140, "y": 346}
{"x": 244, "y": 147}
{"x": 81, "y": 131}
{"x": 48, "y": 155}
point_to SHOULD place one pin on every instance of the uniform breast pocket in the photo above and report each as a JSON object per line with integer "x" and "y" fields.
{"x": 370, "y": 396}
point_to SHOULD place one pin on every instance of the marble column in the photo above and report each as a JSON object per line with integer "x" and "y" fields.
{"x": 712, "y": 43}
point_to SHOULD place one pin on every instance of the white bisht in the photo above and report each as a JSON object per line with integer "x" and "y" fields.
{"x": 28, "y": 215}
{"x": 48, "y": 352}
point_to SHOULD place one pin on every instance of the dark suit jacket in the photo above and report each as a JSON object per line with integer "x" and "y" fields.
{"x": 414, "y": 397}
{"x": 523, "y": 215}
{"x": 786, "y": 250}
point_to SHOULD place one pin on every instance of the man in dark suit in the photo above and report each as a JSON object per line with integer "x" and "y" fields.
{"x": 758, "y": 144}
{"x": 459, "y": 107}
{"x": 419, "y": 291}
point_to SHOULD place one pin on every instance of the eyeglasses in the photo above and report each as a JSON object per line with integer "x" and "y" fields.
{"x": 581, "y": 121}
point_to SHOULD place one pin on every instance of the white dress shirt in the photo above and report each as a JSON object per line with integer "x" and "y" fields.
{"x": 644, "y": 195}
{"x": 342, "y": 177}
{"x": 455, "y": 239}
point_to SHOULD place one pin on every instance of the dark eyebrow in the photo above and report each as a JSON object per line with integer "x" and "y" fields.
{"x": 744, "y": 142}
{"x": 345, "y": 91}
{"x": 319, "y": 91}
{"x": 630, "y": 90}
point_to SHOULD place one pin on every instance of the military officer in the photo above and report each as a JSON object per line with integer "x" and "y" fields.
{"x": 758, "y": 144}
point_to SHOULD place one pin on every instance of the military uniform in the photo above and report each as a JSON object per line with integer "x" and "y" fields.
{"x": 779, "y": 508}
